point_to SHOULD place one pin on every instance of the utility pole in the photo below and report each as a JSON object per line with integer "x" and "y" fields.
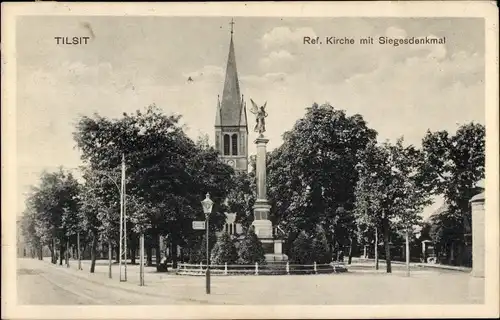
{"x": 141, "y": 259}
{"x": 376, "y": 248}
{"x": 123, "y": 226}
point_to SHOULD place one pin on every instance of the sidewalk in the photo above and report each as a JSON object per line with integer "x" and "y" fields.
{"x": 361, "y": 262}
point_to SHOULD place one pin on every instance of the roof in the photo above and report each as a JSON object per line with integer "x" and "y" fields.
{"x": 231, "y": 110}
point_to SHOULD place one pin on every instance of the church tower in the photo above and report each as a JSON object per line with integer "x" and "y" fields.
{"x": 231, "y": 129}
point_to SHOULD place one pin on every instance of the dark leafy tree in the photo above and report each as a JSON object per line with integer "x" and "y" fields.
{"x": 52, "y": 203}
{"x": 302, "y": 250}
{"x": 389, "y": 194}
{"x": 165, "y": 169}
{"x": 241, "y": 198}
{"x": 250, "y": 249}
{"x": 313, "y": 172}
{"x": 224, "y": 251}
{"x": 320, "y": 247}
{"x": 452, "y": 166}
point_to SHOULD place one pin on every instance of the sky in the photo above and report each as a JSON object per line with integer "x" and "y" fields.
{"x": 132, "y": 62}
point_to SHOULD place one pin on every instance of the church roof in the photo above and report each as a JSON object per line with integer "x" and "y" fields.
{"x": 231, "y": 110}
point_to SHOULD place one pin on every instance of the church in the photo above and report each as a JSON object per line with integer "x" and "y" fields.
{"x": 231, "y": 128}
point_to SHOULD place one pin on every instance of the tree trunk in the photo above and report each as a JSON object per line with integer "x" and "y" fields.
{"x": 174, "y": 251}
{"x": 117, "y": 251}
{"x": 157, "y": 250}
{"x": 149, "y": 253}
{"x": 289, "y": 243}
{"x": 40, "y": 252}
{"x": 110, "y": 259}
{"x": 133, "y": 248}
{"x": 61, "y": 252}
{"x": 93, "y": 253}
{"x": 67, "y": 252}
{"x": 452, "y": 253}
{"x": 351, "y": 244}
{"x": 78, "y": 252}
{"x": 387, "y": 246}
{"x": 376, "y": 248}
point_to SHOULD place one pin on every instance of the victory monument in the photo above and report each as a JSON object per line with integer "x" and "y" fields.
{"x": 231, "y": 140}
{"x": 262, "y": 225}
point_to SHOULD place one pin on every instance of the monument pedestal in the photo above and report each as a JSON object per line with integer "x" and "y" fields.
{"x": 262, "y": 225}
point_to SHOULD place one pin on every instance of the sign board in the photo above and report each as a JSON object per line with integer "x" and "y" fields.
{"x": 199, "y": 225}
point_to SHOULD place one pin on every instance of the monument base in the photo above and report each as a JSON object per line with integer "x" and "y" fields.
{"x": 272, "y": 250}
{"x": 263, "y": 229}
{"x": 273, "y": 257}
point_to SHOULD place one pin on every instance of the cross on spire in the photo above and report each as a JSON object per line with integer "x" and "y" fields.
{"x": 232, "y": 24}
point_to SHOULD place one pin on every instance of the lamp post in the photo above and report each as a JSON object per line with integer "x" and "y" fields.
{"x": 207, "y": 209}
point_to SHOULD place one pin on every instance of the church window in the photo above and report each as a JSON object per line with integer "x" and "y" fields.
{"x": 225, "y": 227}
{"x": 234, "y": 142}
{"x": 226, "y": 144}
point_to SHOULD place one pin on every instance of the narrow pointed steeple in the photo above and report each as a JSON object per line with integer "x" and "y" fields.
{"x": 231, "y": 128}
{"x": 231, "y": 103}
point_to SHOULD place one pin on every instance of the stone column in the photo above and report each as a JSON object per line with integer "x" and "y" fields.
{"x": 478, "y": 250}
{"x": 263, "y": 226}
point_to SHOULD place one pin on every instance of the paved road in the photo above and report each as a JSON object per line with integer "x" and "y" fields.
{"x": 44, "y": 283}
{"x": 40, "y": 283}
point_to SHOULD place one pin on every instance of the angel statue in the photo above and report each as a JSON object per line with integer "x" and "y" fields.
{"x": 260, "y": 116}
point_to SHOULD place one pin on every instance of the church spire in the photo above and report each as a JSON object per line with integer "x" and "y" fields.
{"x": 231, "y": 104}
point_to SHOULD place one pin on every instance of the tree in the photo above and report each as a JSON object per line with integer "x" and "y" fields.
{"x": 313, "y": 172}
{"x": 320, "y": 247}
{"x": 92, "y": 208}
{"x": 164, "y": 168}
{"x": 452, "y": 166}
{"x": 224, "y": 251}
{"x": 302, "y": 249}
{"x": 241, "y": 198}
{"x": 389, "y": 193}
{"x": 28, "y": 232}
{"x": 198, "y": 248}
{"x": 369, "y": 193}
{"x": 52, "y": 203}
{"x": 250, "y": 249}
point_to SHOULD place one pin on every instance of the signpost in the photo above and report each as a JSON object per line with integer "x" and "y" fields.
{"x": 198, "y": 225}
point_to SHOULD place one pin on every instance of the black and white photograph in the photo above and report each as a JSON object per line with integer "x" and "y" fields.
{"x": 222, "y": 155}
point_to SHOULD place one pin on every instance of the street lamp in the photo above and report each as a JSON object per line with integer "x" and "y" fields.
{"x": 207, "y": 205}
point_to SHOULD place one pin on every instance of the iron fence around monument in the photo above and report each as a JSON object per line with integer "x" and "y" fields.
{"x": 281, "y": 268}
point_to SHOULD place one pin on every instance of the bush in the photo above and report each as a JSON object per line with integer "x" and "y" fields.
{"x": 302, "y": 250}
{"x": 224, "y": 251}
{"x": 251, "y": 250}
{"x": 321, "y": 250}
{"x": 198, "y": 252}
{"x": 308, "y": 249}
